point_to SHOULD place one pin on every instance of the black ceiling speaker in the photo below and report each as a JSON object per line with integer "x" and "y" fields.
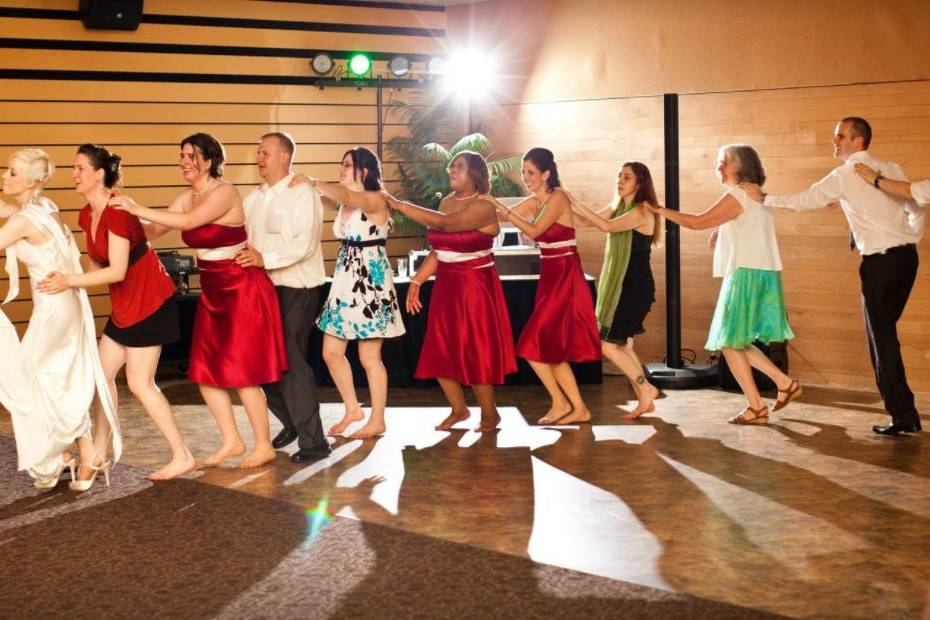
{"x": 111, "y": 14}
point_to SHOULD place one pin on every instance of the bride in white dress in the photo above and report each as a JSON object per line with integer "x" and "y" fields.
{"x": 48, "y": 381}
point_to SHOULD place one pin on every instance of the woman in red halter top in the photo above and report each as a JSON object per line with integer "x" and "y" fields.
{"x": 238, "y": 341}
{"x": 468, "y": 338}
{"x": 563, "y": 327}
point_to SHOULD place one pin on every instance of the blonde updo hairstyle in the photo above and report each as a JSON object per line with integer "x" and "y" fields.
{"x": 37, "y": 165}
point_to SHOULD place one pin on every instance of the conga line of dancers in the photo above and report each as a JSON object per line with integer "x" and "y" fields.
{"x": 261, "y": 269}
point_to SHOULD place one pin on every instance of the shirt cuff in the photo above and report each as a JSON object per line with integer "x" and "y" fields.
{"x": 270, "y": 259}
{"x": 921, "y": 192}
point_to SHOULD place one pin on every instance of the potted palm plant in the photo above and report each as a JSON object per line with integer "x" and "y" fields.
{"x": 422, "y": 159}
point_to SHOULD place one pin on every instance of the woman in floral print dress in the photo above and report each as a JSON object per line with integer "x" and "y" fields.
{"x": 362, "y": 304}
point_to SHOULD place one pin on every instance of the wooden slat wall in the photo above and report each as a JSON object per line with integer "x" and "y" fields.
{"x": 143, "y": 118}
{"x": 792, "y": 130}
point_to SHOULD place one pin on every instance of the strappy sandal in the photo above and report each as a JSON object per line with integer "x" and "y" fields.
{"x": 751, "y": 416}
{"x": 786, "y": 396}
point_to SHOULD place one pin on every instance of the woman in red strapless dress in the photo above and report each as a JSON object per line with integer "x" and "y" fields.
{"x": 238, "y": 341}
{"x": 468, "y": 338}
{"x": 563, "y": 327}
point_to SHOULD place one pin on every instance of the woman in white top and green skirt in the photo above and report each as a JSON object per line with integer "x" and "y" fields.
{"x": 751, "y": 305}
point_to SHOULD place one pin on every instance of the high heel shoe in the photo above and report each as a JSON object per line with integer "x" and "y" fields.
{"x": 85, "y": 485}
{"x": 52, "y": 481}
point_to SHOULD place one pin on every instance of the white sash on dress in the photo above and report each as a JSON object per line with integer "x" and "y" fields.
{"x": 223, "y": 253}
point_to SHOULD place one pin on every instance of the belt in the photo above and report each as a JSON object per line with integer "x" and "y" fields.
{"x": 894, "y": 250}
{"x": 364, "y": 244}
{"x": 136, "y": 252}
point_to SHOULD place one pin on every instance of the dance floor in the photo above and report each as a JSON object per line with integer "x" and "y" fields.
{"x": 677, "y": 514}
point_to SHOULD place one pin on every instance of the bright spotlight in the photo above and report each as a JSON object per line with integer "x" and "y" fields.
{"x": 437, "y": 66}
{"x": 471, "y": 74}
{"x": 359, "y": 65}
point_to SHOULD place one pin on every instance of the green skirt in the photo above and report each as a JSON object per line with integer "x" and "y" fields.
{"x": 751, "y": 307}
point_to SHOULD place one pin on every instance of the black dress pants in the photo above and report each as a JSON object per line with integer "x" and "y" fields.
{"x": 887, "y": 280}
{"x": 293, "y": 399}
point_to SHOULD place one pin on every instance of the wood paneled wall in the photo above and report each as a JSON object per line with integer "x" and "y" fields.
{"x": 586, "y": 80}
{"x": 792, "y": 130}
{"x": 236, "y": 69}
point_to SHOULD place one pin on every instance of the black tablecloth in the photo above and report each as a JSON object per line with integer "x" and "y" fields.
{"x": 400, "y": 354}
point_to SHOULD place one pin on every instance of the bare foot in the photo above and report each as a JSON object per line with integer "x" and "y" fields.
{"x": 369, "y": 431}
{"x": 646, "y": 402}
{"x": 632, "y": 415}
{"x": 174, "y": 468}
{"x": 454, "y": 418}
{"x": 234, "y": 449}
{"x": 555, "y": 413}
{"x": 347, "y": 419}
{"x": 488, "y": 424}
{"x": 577, "y": 416}
{"x": 258, "y": 457}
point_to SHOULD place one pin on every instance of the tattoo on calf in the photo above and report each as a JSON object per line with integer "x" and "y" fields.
{"x": 640, "y": 379}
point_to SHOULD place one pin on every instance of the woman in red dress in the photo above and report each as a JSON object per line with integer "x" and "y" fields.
{"x": 238, "y": 341}
{"x": 563, "y": 327}
{"x": 144, "y": 313}
{"x": 468, "y": 339}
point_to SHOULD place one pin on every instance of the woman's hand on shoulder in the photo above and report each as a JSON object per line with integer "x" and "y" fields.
{"x": 657, "y": 209}
{"x": 302, "y": 179}
{"x": 125, "y": 203}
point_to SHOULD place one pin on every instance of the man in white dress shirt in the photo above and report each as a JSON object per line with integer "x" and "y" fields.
{"x": 885, "y": 230}
{"x": 284, "y": 225}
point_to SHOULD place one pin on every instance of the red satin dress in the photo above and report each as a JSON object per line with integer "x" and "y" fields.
{"x": 238, "y": 340}
{"x": 563, "y": 326}
{"x": 468, "y": 336}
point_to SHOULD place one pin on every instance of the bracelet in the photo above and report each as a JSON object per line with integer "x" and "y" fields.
{"x": 878, "y": 178}
{"x": 415, "y": 283}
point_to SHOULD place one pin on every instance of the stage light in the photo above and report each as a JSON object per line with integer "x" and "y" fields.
{"x": 322, "y": 63}
{"x": 437, "y": 66}
{"x": 471, "y": 74}
{"x": 399, "y": 66}
{"x": 359, "y": 65}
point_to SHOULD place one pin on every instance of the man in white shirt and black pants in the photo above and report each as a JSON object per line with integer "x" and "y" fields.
{"x": 284, "y": 225}
{"x": 885, "y": 230}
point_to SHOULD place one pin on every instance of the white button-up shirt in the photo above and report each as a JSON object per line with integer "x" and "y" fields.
{"x": 878, "y": 220}
{"x": 285, "y": 224}
{"x": 921, "y": 192}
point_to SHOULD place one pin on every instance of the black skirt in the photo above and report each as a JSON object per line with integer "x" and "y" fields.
{"x": 160, "y": 327}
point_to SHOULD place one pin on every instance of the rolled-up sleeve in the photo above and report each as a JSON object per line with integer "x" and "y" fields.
{"x": 921, "y": 192}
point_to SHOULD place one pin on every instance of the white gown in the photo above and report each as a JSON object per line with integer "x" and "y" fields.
{"x": 48, "y": 381}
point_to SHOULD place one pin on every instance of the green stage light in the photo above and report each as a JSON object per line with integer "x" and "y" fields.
{"x": 359, "y": 65}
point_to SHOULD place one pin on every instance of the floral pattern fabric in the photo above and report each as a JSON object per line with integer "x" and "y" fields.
{"x": 751, "y": 307}
{"x": 362, "y": 302}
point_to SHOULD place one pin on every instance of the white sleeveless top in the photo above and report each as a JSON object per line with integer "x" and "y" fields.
{"x": 748, "y": 240}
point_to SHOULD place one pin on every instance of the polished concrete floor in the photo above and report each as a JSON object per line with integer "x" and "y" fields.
{"x": 811, "y": 516}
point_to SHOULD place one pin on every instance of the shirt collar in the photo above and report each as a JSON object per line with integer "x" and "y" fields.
{"x": 278, "y": 187}
{"x": 858, "y": 156}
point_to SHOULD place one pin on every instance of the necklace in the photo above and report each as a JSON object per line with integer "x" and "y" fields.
{"x": 454, "y": 197}
{"x": 210, "y": 184}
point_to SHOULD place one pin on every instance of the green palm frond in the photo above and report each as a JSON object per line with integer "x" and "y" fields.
{"x": 422, "y": 157}
{"x": 472, "y": 142}
{"x": 435, "y": 151}
{"x": 506, "y": 166}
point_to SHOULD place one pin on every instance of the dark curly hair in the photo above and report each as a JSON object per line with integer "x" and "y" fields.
{"x": 102, "y": 159}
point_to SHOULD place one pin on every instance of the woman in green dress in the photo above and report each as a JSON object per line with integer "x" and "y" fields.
{"x": 751, "y": 305}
